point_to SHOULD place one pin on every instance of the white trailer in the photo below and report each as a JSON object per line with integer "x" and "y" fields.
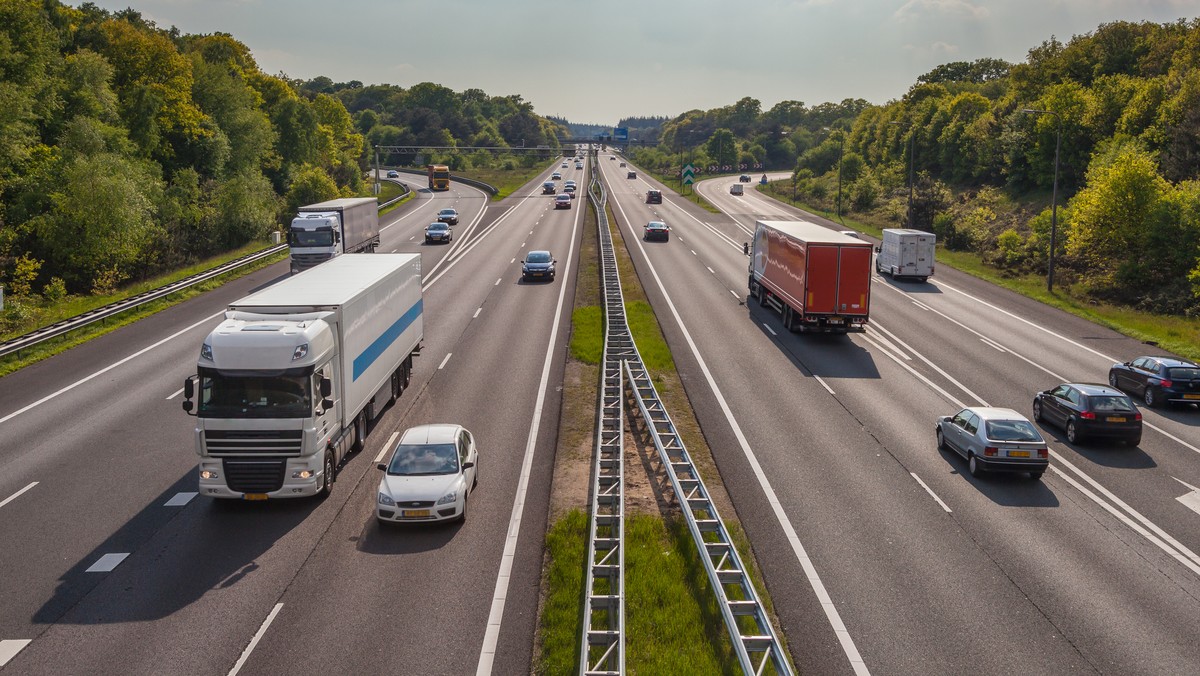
{"x": 906, "y": 253}
{"x": 324, "y": 230}
{"x": 287, "y": 384}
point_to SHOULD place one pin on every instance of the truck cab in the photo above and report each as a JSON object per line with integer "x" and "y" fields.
{"x": 313, "y": 239}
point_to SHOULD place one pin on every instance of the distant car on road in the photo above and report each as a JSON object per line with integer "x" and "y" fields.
{"x": 393, "y": 174}
{"x": 438, "y": 232}
{"x": 570, "y": 190}
{"x": 1089, "y": 411}
{"x": 736, "y": 189}
{"x": 744, "y": 178}
{"x": 548, "y": 188}
{"x": 612, "y": 157}
{"x": 556, "y": 176}
{"x": 448, "y": 216}
{"x": 564, "y": 165}
{"x": 430, "y": 475}
{"x": 538, "y": 265}
{"x": 656, "y": 230}
{"x": 622, "y": 164}
{"x": 631, "y": 174}
{"x": 1159, "y": 380}
{"x": 579, "y": 165}
{"x": 994, "y": 440}
{"x": 562, "y": 201}
{"x": 653, "y": 197}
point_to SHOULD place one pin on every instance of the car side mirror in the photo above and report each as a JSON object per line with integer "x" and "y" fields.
{"x": 382, "y": 466}
{"x": 468, "y": 465}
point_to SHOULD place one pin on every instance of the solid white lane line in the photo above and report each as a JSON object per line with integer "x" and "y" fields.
{"x": 491, "y": 637}
{"x": 180, "y": 499}
{"x": 110, "y": 367}
{"x": 477, "y": 311}
{"x": 923, "y": 358}
{"x": 383, "y": 451}
{"x": 823, "y": 383}
{"x": 18, "y": 494}
{"x": 768, "y": 327}
{"x": 254, "y": 641}
{"x": 498, "y": 279}
{"x": 711, "y": 270}
{"x": 992, "y": 344}
{"x": 10, "y": 647}
{"x": 106, "y": 563}
{"x": 915, "y": 373}
{"x": 931, "y": 493}
{"x": 512, "y": 261}
{"x": 735, "y": 294}
{"x": 920, "y": 304}
{"x": 175, "y": 394}
{"x": 441, "y": 365}
{"x": 810, "y": 570}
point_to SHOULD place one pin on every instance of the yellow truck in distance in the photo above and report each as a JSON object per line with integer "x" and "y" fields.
{"x": 439, "y": 177}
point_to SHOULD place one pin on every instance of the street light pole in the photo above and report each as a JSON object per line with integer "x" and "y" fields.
{"x": 1053, "y": 194}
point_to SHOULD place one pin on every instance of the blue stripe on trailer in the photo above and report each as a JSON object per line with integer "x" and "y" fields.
{"x": 363, "y": 361}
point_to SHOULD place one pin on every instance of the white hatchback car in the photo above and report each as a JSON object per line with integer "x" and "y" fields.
{"x": 430, "y": 475}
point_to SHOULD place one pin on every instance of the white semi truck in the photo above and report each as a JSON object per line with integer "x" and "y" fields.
{"x": 324, "y": 230}
{"x": 287, "y": 384}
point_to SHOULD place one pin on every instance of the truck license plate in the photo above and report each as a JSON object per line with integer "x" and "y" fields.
{"x": 255, "y": 496}
{"x": 835, "y": 320}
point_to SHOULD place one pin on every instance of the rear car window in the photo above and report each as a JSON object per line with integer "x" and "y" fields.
{"x": 1104, "y": 404}
{"x": 1184, "y": 373}
{"x": 1012, "y": 430}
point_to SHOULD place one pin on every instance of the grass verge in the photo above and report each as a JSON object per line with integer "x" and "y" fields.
{"x": 506, "y": 181}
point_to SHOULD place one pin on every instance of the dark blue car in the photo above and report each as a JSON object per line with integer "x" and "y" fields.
{"x": 1158, "y": 380}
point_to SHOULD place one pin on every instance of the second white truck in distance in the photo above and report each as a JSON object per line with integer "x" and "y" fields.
{"x": 287, "y": 384}
{"x": 906, "y": 253}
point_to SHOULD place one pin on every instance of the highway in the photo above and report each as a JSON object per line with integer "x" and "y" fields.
{"x": 881, "y": 554}
{"x": 114, "y": 566}
{"x": 826, "y": 447}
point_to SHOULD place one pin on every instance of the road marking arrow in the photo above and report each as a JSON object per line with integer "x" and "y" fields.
{"x": 1190, "y": 500}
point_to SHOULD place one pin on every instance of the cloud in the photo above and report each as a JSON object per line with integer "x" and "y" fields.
{"x": 914, "y": 9}
{"x": 943, "y": 48}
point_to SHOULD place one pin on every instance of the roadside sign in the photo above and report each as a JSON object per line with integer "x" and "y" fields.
{"x": 689, "y": 174}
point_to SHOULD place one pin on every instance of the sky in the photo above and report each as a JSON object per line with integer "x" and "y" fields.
{"x": 597, "y": 62}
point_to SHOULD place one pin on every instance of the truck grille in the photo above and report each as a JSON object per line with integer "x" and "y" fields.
{"x": 254, "y": 476}
{"x": 305, "y": 261}
{"x": 253, "y": 442}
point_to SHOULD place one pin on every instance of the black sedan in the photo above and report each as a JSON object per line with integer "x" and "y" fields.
{"x": 448, "y": 216}
{"x": 1089, "y": 411}
{"x": 438, "y": 232}
{"x": 1158, "y": 380}
{"x": 656, "y": 230}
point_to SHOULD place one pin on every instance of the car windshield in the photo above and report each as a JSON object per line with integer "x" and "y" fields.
{"x": 538, "y": 257}
{"x": 1012, "y": 430}
{"x": 447, "y": 212}
{"x": 256, "y": 396}
{"x": 423, "y": 459}
{"x": 1113, "y": 404}
{"x": 438, "y": 226}
{"x": 1185, "y": 373}
{"x": 302, "y": 238}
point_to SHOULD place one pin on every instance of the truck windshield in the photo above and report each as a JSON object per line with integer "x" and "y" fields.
{"x": 225, "y": 396}
{"x": 321, "y": 237}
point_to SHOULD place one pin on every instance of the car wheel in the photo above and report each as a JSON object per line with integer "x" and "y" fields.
{"x": 667, "y": 238}
{"x": 1036, "y": 476}
{"x": 427, "y": 240}
{"x": 327, "y": 480}
{"x": 1072, "y": 432}
{"x": 975, "y": 468}
{"x": 1037, "y": 410}
{"x": 396, "y": 387}
{"x": 462, "y": 517}
{"x": 1112, "y": 378}
{"x": 941, "y": 439}
{"x": 1149, "y": 397}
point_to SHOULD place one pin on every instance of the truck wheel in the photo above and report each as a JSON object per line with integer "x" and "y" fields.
{"x": 407, "y": 373}
{"x": 762, "y": 295}
{"x": 396, "y": 387}
{"x": 360, "y": 432}
{"x": 327, "y": 480}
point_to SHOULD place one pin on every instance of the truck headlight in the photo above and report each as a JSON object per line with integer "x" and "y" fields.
{"x": 385, "y": 499}
{"x": 449, "y": 498}
{"x": 209, "y": 474}
{"x": 303, "y": 474}
{"x": 301, "y": 352}
{"x": 206, "y": 352}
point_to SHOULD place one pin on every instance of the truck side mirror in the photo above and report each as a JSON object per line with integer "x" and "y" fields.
{"x": 745, "y": 248}
{"x": 878, "y": 250}
{"x": 326, "y": 388}
{"x": 187, "y": 406}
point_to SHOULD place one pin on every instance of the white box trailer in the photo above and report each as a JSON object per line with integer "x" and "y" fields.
{"x": 906, "y": 253}
{"x": 289, "y": 380}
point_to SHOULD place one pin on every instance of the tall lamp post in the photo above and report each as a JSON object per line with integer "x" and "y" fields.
{"x": 841, "y": 152}
{"x": 1053, "y": 193}
{"x": 909, "y": 215}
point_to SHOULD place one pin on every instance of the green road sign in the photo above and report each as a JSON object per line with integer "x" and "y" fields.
{"x": 689, "y": 174}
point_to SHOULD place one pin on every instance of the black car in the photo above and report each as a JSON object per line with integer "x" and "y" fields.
{"x": 631, "y": 174}
{"x": 438, "y": 232}
{"x": 548, "y": 188}
{"x": 538, "y": 265}
{"x": 656, "y": 230}
{"x": 1090, "y": 411}
{"x": 448, "y": 216}
{"x": 744, "y": 178}
{"x": 1158, "y": 380}
{"x": 653, "y": 197}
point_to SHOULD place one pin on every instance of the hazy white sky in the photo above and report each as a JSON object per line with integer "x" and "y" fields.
{"x": 598, "y": 61}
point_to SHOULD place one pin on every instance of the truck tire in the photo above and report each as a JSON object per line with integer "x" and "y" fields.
{"x": 762, "y": 295}
{"x": 397, "y": 386}
{"x": 360, "y": 432}
{"x": 329, "y": 475}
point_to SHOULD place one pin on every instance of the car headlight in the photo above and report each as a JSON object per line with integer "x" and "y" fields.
{"x": 448, "y": 498}
{"x": 385, "y": 499}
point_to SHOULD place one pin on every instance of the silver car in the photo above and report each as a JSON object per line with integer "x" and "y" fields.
{"x": 994, "y": 440}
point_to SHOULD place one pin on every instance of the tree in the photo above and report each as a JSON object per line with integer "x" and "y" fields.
{"x": 722, "y": 147}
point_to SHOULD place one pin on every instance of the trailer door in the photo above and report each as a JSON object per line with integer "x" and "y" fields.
{"x": 854, "y": 280}
{"x": 821, "y": 280}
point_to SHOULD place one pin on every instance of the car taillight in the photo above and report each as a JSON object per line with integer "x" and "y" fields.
{"x": 990, "y": 450}
{"x": 1043, "y": 453}
{"x": 1087, "y": 415}
{"x": 1166, "y": 383}
{"x": 1137, "y": 416}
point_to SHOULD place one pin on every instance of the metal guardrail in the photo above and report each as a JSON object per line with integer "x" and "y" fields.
{"x": 57, "y": 329}
{"x": 755, "y": 641}
{"x": 603, "y": 650}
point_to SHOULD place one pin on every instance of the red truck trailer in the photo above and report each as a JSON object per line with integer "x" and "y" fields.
{"x": 819, "y": 280}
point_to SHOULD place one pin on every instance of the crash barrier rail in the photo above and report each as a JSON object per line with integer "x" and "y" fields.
{"x": 603, "y": 650}
{"x": 404, "y": 191}
{"x": 754, "y": 639}
{"x": 102, "y": 313}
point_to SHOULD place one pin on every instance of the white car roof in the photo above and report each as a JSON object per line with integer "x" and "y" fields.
{"x": 436, "y": 433}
